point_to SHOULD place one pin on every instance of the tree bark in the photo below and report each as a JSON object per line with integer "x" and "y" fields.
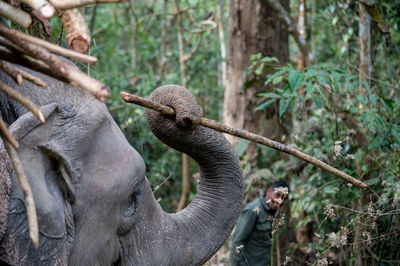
{"x": 253, "y": 28}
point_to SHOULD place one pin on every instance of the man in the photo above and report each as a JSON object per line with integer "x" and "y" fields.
{"x": 251, "y": 242}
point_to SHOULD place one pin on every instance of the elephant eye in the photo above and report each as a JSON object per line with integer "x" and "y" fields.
{"x": 129, "y": 206}
{"x": 127, "y": 211}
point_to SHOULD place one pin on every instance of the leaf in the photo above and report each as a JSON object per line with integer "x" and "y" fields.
{"x": 318, "y": 102}
{"x": 372, "y": 181}
{"x": 276, "y": 74}
{"x": 353, "y": 110}
{"x": 241, "y": 147}
{"x": 270, "y": 95}
{"x": 395, "y": 133}
{"x": 269, "y": 60}
{"x": 388, "y": 103}
{"x": 277, "y": 80}
{"x": 259, "y": 69}
{"x": 329, "y": 190}
{"x": 283, "y": 106}
{"x": 264, "y": 105}
{"x": 295, "y": 79}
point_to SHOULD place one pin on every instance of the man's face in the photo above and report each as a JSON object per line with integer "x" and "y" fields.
{"x": 276, "y": 197}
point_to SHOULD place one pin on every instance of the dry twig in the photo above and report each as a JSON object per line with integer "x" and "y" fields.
{"x": 245, "y": 135}
{"x": 60, "y": 66}
{"x": 24, "y": 60}
{"x": 22, "y": 37}
{"x": 15, "y": 15}
{"x": 12, "y": 71}
{"x": 26, "y": 190}
{"x": 4, "y": 131}
{"x": 31, "y": 106}
{"x": 35, "y": 80}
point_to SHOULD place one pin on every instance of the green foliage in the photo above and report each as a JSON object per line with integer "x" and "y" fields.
{"x": 112, "y": 45}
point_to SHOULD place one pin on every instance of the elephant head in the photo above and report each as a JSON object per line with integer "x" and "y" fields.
{"x": 94, "y": 203}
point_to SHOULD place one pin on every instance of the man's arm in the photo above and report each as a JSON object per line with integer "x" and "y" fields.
{"x": 244, "y": 227}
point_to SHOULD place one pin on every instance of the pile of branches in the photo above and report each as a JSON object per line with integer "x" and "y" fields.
{"x": 19, "y": 49}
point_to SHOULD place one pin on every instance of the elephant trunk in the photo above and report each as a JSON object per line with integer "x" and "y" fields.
{"x": 193, "y": 235}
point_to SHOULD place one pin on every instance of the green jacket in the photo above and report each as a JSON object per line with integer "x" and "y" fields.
{"x": 251, "y": 242}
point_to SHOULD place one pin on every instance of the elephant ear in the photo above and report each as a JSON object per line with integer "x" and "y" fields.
{"x": 47, "y": 168}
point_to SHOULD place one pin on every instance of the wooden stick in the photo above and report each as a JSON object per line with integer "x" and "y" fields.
{"x": 245, "y": 135}
{"x": 29, "y": 62}
{"x": 48, "y": 46}
{"x": 4, "y": 131}
{"x": 35, "y": 80}
{"x": 15, "y": 15}
{"x": 43, "y": 6}
{"x": 26, "y": 190}
{"x": 12, "y": 71}
{"x": 76, "y": 31}
{"x": 62, "y": 67}
{"x": 68, "y": 4}
{"x": 28, "y": 103}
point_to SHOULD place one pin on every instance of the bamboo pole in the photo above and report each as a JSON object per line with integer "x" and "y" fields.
{"x": 48, "y": 46}
{"x": 26, "y": 190}
{"x": 15, "y": 14}
{"x": 127, "y": 97}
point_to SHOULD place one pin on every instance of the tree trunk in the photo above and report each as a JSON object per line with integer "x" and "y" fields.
{"x": 220, "y": 4}
{"x": 182, "y": 63}
{"x": 364, "y": 35}
{"x": 253, "y": 28}
{"x": 301, "y": 26}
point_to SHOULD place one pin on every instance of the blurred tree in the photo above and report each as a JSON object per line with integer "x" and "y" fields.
{"x": 253, "y": 28}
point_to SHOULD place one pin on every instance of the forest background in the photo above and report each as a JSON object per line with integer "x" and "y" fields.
{"x": 334, "y": 96}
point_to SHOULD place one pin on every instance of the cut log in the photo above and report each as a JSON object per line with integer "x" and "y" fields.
{"x": 15, "y": 14}
{"x": 76, "y": 30}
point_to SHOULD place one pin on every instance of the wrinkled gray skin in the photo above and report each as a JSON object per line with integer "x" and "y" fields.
{"x": 94, "y": 203}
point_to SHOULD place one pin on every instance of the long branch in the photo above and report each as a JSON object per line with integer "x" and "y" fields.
{"x": 6, "y": 134}
{"x": 48, "y": 46}
{"x": 67, "y": 4}
{"x": 26, "y": 190}
{"x": 245, "y": 135}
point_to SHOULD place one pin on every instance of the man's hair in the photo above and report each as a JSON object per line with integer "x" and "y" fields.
{"x": 278, "y": 183}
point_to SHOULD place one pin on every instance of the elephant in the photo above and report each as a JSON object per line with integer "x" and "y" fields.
{"x": 94, "y": 203}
